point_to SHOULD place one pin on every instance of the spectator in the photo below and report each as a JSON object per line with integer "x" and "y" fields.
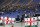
{"x": 17, "y": 19}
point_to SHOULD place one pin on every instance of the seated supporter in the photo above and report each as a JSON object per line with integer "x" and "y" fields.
{"x": 22, "y": 18}
{"x": 18, "y": 19}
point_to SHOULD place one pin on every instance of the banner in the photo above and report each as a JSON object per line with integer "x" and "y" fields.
{"x": 1, "y": 19}
{"x": 31, "y": 21}
{"x": 7, "y": 20}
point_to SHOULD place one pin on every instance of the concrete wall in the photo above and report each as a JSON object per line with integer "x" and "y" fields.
{"x": 15, "y": 25}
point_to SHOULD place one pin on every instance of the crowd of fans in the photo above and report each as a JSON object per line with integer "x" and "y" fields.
{"x": 20, "y": 7}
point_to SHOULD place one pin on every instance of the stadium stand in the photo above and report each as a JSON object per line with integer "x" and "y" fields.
{"x": 20, "y": 9}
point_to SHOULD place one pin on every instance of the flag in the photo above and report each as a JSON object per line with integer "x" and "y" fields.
{"x": 34, "y": 19}
{"x": 27, "y": 24}
{"x": 13, "y": 20}
{"x": 1, "y": 20}
{"x": 7, "y": 20}
{"x": 31, "y": 21}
